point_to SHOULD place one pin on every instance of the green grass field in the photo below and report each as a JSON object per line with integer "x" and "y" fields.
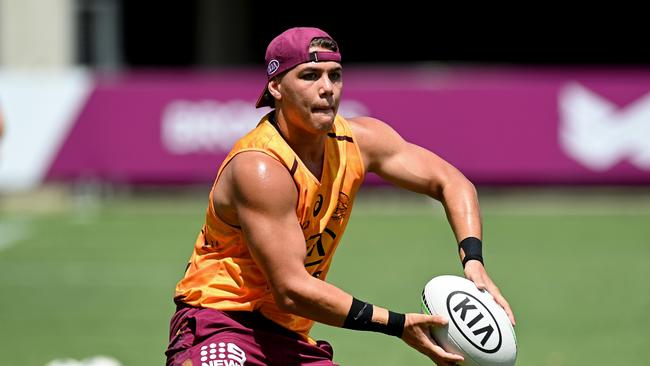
{"x": 80, "y": 278}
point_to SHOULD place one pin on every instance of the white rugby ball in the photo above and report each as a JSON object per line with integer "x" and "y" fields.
{"x": 478, "y": 329}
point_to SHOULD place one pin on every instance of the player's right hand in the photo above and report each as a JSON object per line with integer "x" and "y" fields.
{"x": 417, "y": 334}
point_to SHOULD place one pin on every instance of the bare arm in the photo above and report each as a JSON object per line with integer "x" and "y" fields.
{"x": 419, "y": 170}
{"x": 262, "y": 195}
{"x": 412, "y": 167}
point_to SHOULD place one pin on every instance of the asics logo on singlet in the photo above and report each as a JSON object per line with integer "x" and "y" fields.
{"x": 222, "y": 354}
{"x": 274, "y": 65}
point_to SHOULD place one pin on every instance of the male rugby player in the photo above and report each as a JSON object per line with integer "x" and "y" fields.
{"x": 278, "y": 208}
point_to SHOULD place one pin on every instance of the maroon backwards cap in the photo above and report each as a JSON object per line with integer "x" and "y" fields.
{"x": 290, "y": 49}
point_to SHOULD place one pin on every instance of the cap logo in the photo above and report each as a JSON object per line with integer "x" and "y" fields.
{"x": 274, "y": 65}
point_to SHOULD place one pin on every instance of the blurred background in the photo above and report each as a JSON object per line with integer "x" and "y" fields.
{"x": 117, "y": 115}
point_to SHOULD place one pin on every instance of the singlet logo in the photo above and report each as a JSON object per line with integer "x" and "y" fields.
{"x": 318, "y": 205}
{"x": 318, "y": 245}
{"x": 341, "y": 206}
{"x": 274, "y": 65}
{"x": 222, "y": 354}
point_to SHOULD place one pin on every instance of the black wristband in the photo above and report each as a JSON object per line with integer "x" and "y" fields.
{"x": 473, "y": 248}
{"x": 395, "y": 326}
{"x": 360, "y": 318}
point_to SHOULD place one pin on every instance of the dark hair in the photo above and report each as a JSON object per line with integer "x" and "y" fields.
{"x": 324, "y": 42}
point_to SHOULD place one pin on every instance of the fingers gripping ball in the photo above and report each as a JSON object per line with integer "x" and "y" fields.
{"x": 478, "y": 329}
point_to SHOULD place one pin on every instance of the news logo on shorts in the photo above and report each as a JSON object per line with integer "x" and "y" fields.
{"x": 222, "y": 354}
{"x": 474, "y": 321}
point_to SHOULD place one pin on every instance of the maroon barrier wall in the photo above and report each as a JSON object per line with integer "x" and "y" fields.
{"x": 499, "y": 126}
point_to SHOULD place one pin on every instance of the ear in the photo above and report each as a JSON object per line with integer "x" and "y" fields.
{"x": 274, "y": 88}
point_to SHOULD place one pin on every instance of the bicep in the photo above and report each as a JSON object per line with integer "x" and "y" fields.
{"x": 276, "y": 244}
{"x": 402, "y": 163}
{"x": 264, "y": 197}
{"x": 417, "y": 169}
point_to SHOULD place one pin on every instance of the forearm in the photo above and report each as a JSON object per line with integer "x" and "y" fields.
{"x": 314, "y": 299}
{"x": 322, "y": 302}
{"x": 460, "y": 201}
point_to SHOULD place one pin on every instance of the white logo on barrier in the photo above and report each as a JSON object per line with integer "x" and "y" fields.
{"x": 594, "y": 132}
{"x": 189, "y": 127}
{"x": 222, "y": 354}
{"x": 352, "y": 108}
{"x": 206, "y": 126}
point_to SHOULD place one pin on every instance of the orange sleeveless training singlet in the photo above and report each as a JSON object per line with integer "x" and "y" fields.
{"x": 221, "y": 273}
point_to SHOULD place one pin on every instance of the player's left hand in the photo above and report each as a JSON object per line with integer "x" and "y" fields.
{"x": 475, "y": 272}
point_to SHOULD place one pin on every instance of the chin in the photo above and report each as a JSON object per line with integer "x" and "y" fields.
{"x": 324, "y": 124}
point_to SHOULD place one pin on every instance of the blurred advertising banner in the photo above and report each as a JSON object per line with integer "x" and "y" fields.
{"x": 498, "y": 126}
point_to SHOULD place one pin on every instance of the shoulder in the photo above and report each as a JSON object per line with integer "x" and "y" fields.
{"x": 375, "y": 138}
{"x": 371, "y": 130}
{"x": 253, "y": 178}
{"x": 364, "y": 124}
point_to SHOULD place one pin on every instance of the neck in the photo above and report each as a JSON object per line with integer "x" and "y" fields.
{"x": 310, "y": 147}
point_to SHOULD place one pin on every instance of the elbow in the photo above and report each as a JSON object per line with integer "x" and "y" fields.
{"x": 471, "y": 188}
{"x": 466, "y": 191}
{"x": 454, "y": 187}
{"x": 285, "y": 302}
{"x": 464, "y": 185}
{"x": 288, "y": 297}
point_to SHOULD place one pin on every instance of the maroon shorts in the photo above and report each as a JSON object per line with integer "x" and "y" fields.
{"x": 208, "y": 337}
